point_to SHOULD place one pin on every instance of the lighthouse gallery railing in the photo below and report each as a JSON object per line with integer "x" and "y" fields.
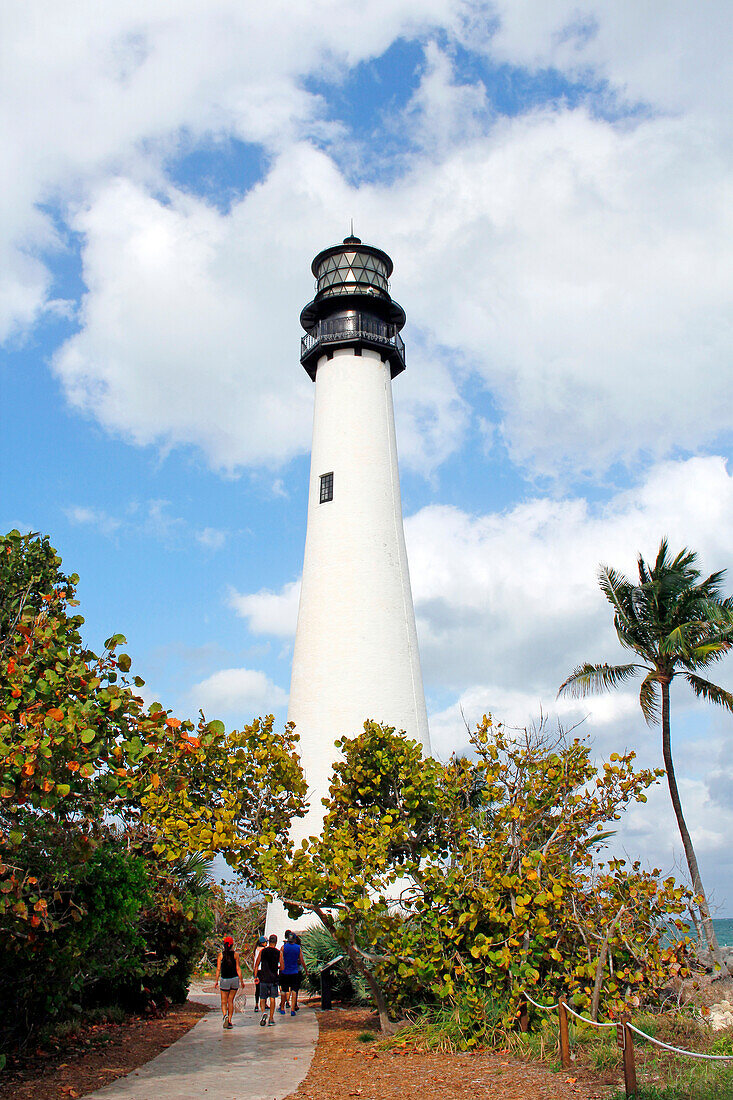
{"x": 354, "y": 327}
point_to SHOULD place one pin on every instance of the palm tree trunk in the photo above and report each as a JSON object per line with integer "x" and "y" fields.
{"x": 697, "y": 886}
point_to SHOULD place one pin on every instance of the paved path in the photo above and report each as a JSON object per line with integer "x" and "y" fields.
{"x": 247, "y": 1063}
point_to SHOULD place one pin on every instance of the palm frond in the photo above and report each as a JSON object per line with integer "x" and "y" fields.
{"x": 684, "y": 561}
{"x": 642, "y": 601}
{"x": 711, "y": 587}
{"x": 680, "y": 641}
{"x": 619, "y": 592}
{"x": 715, "y": 611}
{"x": 649, "y": 699}
{"x": 710, "y": 692}
{"x": 715, "y": 647}
{"x": 588, "y": 679}
{"x": 598, "y": 838}
{"x": 193, "y": 872}
{"x": 645, "y": 574}
{"x": 616, "y": 588}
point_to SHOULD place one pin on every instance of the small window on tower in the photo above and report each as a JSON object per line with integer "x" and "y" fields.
{"x": 326, "y": 487}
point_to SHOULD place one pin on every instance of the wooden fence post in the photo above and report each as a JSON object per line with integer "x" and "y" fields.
{"x": 624, "y": 1037}
{"x": 564, "y": 1035}
{"x": 523, "y": 1016}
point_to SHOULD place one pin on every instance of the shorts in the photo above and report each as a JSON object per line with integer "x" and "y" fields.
{"x": 225, "y": 984}
{"x": 267, "y": 990}
{"x": 290, "y": 982}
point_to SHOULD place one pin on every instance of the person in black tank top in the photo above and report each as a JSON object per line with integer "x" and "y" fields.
{"x": 228, "y": 978}
{"x": 267, "y": 965}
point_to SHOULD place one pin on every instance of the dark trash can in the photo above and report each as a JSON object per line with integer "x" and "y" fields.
{"x": 327, "y": 983}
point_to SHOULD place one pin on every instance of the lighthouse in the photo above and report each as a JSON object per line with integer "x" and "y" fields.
{"x": 356, "y": 655}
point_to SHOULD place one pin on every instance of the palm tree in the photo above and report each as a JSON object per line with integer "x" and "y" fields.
{"x": 677, "y": 624}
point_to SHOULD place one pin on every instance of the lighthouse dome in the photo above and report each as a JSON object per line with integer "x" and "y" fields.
{"x": 352, "y": 268}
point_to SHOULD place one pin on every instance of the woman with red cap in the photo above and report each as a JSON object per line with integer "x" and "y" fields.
{"x": 228, "y": 978}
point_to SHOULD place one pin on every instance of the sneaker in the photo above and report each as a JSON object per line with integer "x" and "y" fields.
{"x": 263, "y": 1020}
{"x": 223, "y": 1021}
{"x": 292, "y": 1012}
{"x": 229, "y": 1025}
{"x": 271, "y": 1023}
{"x": 281, "y": 1011}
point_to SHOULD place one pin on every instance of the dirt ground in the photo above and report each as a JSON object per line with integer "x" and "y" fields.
{"x": 97, "y": 1056}
{"x": 344, "y": 1067}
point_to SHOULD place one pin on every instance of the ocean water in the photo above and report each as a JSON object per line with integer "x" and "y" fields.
{"x": 724, "y": 930}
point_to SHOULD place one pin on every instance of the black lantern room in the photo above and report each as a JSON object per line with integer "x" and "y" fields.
{"x": 352, "y": 306}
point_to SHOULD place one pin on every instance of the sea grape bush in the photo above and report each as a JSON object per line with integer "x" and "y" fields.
{"x": 518, "y": 899}
{"x": 85, "y": 913}
{"x": 443, "y": 881}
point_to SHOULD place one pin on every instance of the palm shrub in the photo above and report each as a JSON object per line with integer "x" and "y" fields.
{"x": 677, "y": 624}
{"x": 319, "y": 948}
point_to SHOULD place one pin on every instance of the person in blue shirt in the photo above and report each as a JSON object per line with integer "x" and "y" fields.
{"x": 291, "y": 960}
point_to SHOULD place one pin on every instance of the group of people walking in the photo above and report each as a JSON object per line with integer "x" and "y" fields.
{"x": 277, "y": 972}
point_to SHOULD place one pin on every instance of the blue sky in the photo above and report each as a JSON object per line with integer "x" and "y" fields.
{"x": 552, "y": 181}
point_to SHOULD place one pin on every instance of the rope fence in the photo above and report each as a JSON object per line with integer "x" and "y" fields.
{"x": 624, "y": 1039}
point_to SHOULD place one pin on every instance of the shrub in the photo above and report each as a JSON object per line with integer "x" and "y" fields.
{"x": 319, "y": 948}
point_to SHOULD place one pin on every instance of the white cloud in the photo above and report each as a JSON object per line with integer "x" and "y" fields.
{"x": 442, "y": 112}
{"x": 242, "y": 690}
{"x": 211, "y": 538}
{"x": 94, "y": 517}
{"x": 664, "y": 57}
{"x": 582, "y": 271}
{"x": 600, "y": 716}
{"x": 269, "y": 612}
{"x": 513, "y": 599}
{"x": 581, "y": 268}
{"x": 90, "y": 91}
{"x": 152, "y": 518}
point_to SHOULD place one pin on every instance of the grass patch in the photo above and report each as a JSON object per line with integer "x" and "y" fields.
{"x": 366, "y": 1037}
{"x": 449, "y": 1029}
{"x": 662, "y": 1075}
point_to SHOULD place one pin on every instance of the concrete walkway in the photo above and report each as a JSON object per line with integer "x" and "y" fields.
{"x": 247, "y": 1063}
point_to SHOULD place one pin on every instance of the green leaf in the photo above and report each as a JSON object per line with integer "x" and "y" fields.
{"x": 217, "y": 727}
{"x": 87, "y": 736}
{"x": 124, "y": 662}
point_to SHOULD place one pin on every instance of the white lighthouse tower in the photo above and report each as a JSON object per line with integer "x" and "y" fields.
{"x": 356, "y": 654}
